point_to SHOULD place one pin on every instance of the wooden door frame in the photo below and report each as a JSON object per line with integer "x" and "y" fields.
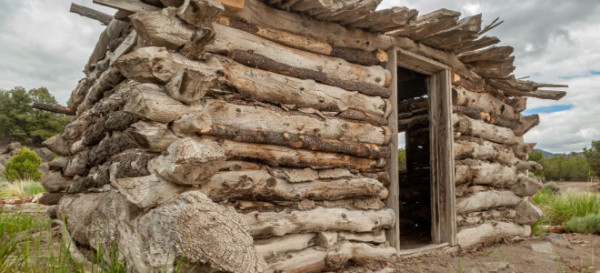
{"x": 443, "y": 199}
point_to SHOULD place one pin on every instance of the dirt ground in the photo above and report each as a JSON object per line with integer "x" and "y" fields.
{"x": 575, "y": 253}
{"x": 583, "y": 255}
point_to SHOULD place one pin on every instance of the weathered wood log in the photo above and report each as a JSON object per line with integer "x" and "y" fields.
{"x": 428, "y": 24}
{"x": 54, "y": 182}
{"x": 91, "y": 13}
{"x": 270, "y": 154}
{"x": 313, "y": 260}
{"x": 414, "y": 121}
{"x": 527, "y": 213}
{"x": 308, "y": 44}
{"x": 58, "y": 163}
{"x": 200, "y": 14}
{"x": 513, "y": 87}
{"x": 244, "y": 206}
{"x": 57, "y": 144}
{"x": 149, "y": 101}
{"x": 480, "y": 217}
{"x": 266, "y": 63}
{"x": 482, "y": 102}
{"x": 358, "y": 115}
{"x": 261, "y": 85}
{"x": 518, "y": 103}
{"x": 297, "y": 141}
{"x": 494, "y": 70}
{"x": 107, "y": 81}
{"x": 470, "y": 147}
{"x": 260, "y": 185}
{"x": 190, "y": 80}
{"x": 147, "y": 191}
{"x": 156, "y": 240}
{"x": 320, "y": 219}
{"x": 130, "y": 163}
{"x": 490, "y": 232}
{"x": 128, "y": 5}
{"x": 485, "y": 200}
{"x": 526, "y": 186}
{"x": 377, "y": 236}
{"x": 467, "y": 29}
{"x": 274, "y": 247}
{"x": 152, "y": 136}
{"x": 97, "y": 178}
{"x": 520, "y": 126}
{"x": 482, "y": 42}
{"x": 78, "y": 165}
{"x": 484, "y": 173}
{"x": 189, "y": 161}
{"x": 54, "y": 108}
{"x": 478, "y": 128}
{"x": 387, "y": 19}
{"x": 489, "y": 54}
{"x": 109, "y": 146}
{"x": 112, "y": 31}
{"x": 260, "y": 14}
{"x": 151, "y": 25}
{"x": 258, "y": 118}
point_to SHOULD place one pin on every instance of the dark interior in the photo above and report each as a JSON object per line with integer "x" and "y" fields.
{"x": 414, "y": 181}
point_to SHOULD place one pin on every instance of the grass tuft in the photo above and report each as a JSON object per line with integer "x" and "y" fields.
{"x": 586, "y": 224}
{"x": 20, "y": 188}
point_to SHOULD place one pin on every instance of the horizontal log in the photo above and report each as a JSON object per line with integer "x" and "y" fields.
{"x": 483, "y": 102}
{"x": 106, "y": 81}
{"x": 428, "y": 24}
{"x": 152, "y": 136}
{"x": 386, "y": 19}
{"x": 467, "y": 29}
{"x": 199, "y": 13}
{"x": 373, "y": 203}
{"x": 518, "y": 103}
{"x": 146, "y": 191}
{"x": 111, "y": 33}
{"x": 489, "y": 54}
{"x": 252, "y": 118}
{"x": 297, "y": 141}
{"x": 189, "y": 162}
{"x": 54, "y": 182}
{"x": 77, "y": 165}
{"x": 258, "y": 13}
{"x": 149, "y": 101}
{"x": 480, "y": 43}
{"x": 58, "y": 145}
{"x": 111, "y": 145}
{"x": 520, "y": 126}
{"x": 151, "y": 26}
{"x": 54, "y": 108}
{"x": 352, "y": 114}
{"x": 470, "y": 147}
{"x": 526, "y": 186}
{"x": 490, "y": 232}
{"x": 477, "y": 128}
{"x": 274, "y": 247}
{"x": 484, "y": 173}
{"x": 486, "y": 200}
{"x": 480, "y": 217}
{"x": 527, "y": 213}
{"x": 261, "y": 185}
{"x": 188, "y": 81}
{"x": 320, "y": 219}
{"x": 313, "y": 260}
{"x": 494, "y": 70}
{"x": 91, "y": 13}
{"x": 128, "y": 5}
{"x": 351, "y": 55}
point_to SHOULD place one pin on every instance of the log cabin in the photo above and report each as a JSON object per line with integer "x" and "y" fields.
{"x": 261, "y": 136}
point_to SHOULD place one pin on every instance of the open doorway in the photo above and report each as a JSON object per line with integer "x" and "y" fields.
{"x": 422, "y": 195}
{"x": 414, "y": 178}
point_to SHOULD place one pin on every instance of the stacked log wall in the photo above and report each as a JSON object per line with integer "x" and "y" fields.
{"x": 289, "y": 144}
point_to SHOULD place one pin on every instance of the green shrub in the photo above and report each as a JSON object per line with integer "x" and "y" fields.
{"x": 585, "y": 224}
{"x": 23, "y": 165}
{"x": 21, "y": 188}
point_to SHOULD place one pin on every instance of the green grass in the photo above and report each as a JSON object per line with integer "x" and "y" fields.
{"x": 20, "y": 188}
{"x": 586, "y": 224}
{"x": 559, "y": 209}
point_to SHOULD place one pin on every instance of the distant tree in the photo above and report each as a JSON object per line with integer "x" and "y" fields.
{"x": 20, "y": 122}
{"x": 537, "y": 156}
{"x": 401, "y": 159}
{"x": 566, "y": 168}
{"x": 23, "y": 165}
{"x": 592, "y": 155}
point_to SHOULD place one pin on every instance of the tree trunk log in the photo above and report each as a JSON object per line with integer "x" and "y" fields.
{"x": 481, "y": 217}
{"x": 273, "y": 247}
{"x": 485, "y": 200}
{"x": 478, "y": 128}
{"x": 260, "y": 185}
{"x": 55, "y": 182}
{"x": 148, "y": 101}
{"x": 484, "y": 173}
{"x": 189, "y": 161}
{"x": 58, "y": 145}
{"x": 490, "y": 232}
{"x": 153, "y": 136}
{"x": 78, "y": 165}
{"x": 527, "y": 213}
{"x": 320, "y": 219}
{"x": 520, "y": 126}
{"x": 200, "y": 13}
{"x": 526, "y": 186}
{"x": 484, "y": 102}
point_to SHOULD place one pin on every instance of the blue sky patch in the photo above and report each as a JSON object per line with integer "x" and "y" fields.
{"x": 548, "y": 109}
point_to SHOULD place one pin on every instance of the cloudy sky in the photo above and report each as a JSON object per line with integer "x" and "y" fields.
{"x": 555, "y": 41}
